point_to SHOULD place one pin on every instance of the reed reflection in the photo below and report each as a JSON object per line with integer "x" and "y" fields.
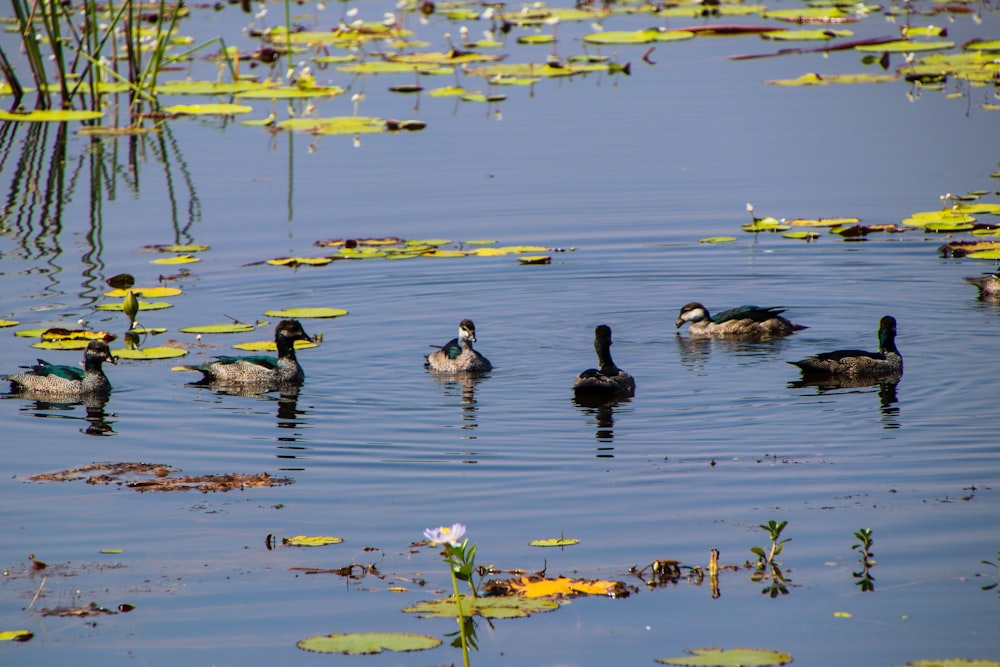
{"x": 886, "y": 389}
{"x": 42, "y": 406}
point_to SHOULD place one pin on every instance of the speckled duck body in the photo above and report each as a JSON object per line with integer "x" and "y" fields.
{"x": 458, "y": 355}
{"x": 748, "y": 322}
{"x": 68, "y": 380}
{"x": 260, "y": 370}
{"x": 858, "y": 364}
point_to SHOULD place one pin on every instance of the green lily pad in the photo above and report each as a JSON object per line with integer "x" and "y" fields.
{"x": 535, "y": 259}
{"x": 814, "y": 79}
{"x": 16, "y": 635}
{"x": 298, "y": 261}
{"x": 734, "y": 657}
{"x": 491, "y": 607}
{"x": 982, "y": 45}
{"x": 638, "y": 36}
{"x": 271, "y": 346}
{"x": 148, "y": 292}
{"x": 448, "y": 91}
{"x": 984, "y": 254}
{"x": 30, "y": 333}
{"x": 947, "y": 227}
{"x": 904, "y": 46}
{"x": 208, "y": 109}
{"x": 179, "y": 247}
{"x": 536, "y": 39}
{"x": 303, "y": 313}
{"x": 65, "y": 344}
{"x": 480, "y": 242}
{"x": 366, "y": 643}
{"x": 807, "y": 15}
{"x": 179, "y": 259}
{"x": 480, "y": 97}
{"x": 112, "y": 551}
{"x": 149, "y": 353}
{"x": 805, "y": 35}
{"x": 143, "y": 305}
{"x": 8, "y": 323}
{"x": 148, "y": 330}
{"x": 231, "y": 327}
{"x": 290, "y": 92}
{"x": 802, "y": 236}
{"x": 50, "y": 116}
{"x": 311, "y": 540}
{"x": 717, "y": 239}
{"x": 554, "y": 542}
{"x": 335, "y": 125}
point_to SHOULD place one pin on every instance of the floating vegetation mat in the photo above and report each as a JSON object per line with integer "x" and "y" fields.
{"x": 131, "y": 475}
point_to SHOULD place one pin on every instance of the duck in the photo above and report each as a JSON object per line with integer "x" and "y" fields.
{"x": 743, "y": 321}
{"x": 607, "y": 379}
{"x": 858, "y": 364}
{"x": 68, "y": 380}
{"x": 457, "y": 355}
{"x": 988, "y": 284}
{"x": 259, "y": 369}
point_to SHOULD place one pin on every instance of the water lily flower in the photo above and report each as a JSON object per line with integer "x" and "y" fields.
{"x": 446, "y": 534}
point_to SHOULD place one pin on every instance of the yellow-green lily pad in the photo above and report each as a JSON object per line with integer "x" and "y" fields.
{"x": 143, "y": 305}
{"x": 480, "y": 242}
{"x": 65, "y": 344}
{"x": 155, "y": 331}
{"x": 271, "y": 346}
{"x": 536, "y": 39}
{"x": 297, "y": 261}
{"x": 802, "y": 236}
{"x": 230, "y": 327}
{"x": 112, "y": 551}
{"x": 814, "y": 79}
{"x": 335, "y": 125}
{"x": 717, "y": 239}
{"x": 486, "y": 607}
{"x": 149, "y": 353}
{"x": 554, "y": 542}
{"x": 303, "y": 313}
{"x": 805, "y": 35}
{"x": 638, "y": 36}
{"x": 948, "y": 227}
{"x": 8, "y": 323}
{"x": 733, "y": 657}
{"x": 904, "y": 46}
{"x": 179, "y": 259}
{"x": 367, "y": 643}
{"x": 16, "y": 635}
{"x": 208, "y": 109}
{"x": 148, "y": 292}
{"x": 50, "y": 116}
{"x": 30, "y": 333}
{"x": 984, "y": 254}
{"x": 179, "y": 247}
{"x": 311, "y": 540}
{"x": 807, "y": 15}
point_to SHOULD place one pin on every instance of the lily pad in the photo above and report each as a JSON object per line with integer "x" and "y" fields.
{"x": 231, "y": 327}
{"x": 311, "y": 540}
{"x": 208, "y": 109}
{"x": 148, "y": 292}
{"x": 50, "y": 116}
{"x": 486, "y": 607}
{"x": 802, "y": 236}
{"x": 366, "y": 643}
{"x": 734, "y": 657}
{"x": 179, "y": 259}
{"x": 302, "y": 313}
{"x": 535, "y": 259}
{"x": 717, "y": 239}
{"x": 300, "y": 261}
{"x": 984, "y": 254}
{"x": 638, "y": 36}
{"x": 143, "y": 305}
{"x": 554, "y": 542}
{"x": 8, "y": 323}
{"x": 64, "y": 344}
{"x": 271, "y": 346}
{"x": 16, "y": 635}
{"x": 905, "y": 46}
{"x": 149, "y": 353}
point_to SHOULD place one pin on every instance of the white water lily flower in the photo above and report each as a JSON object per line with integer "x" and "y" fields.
{"x": 446, "y": 534}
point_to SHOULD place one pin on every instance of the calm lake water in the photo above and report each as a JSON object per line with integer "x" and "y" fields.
{"x": 624, "y": 173}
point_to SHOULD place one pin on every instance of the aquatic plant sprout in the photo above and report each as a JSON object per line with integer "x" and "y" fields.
{"x": 446, "y": 534}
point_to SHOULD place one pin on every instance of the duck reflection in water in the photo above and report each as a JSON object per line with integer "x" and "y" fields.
{"x": 603, "y": 411}
{"x": 463, "y": 385}
{"x": 45, "y": 407}
{"x": 887, "y": 395}
{"x": 694, "y": 351}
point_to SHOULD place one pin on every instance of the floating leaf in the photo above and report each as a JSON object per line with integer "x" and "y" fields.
{"x": 176, "y": 247}
{"x": 58, "y": 333}
{"x": 734, "y": 657}
{"x": 535, "y": 259}
{"x": 149, "y": 353}
{"x": 8, "y": 323}
{"x": 365, "y": 643}
{"x": 112, "y": 551}
{"x": 904, "y": 46}
{"x": 536, "y": 39}
{"x": 311, "y": 540}
{"x": 148, "y": 292}
{"x": 486, "y": 607}
{"x": 554, "y": 542}
{"x": 300, "y": 261}
{"x": 638, "y": 36}
{"x": 29, "y": 333}
{"x": 842, "y": 614}
{"x": 808, "y": 15}
{"x": 143, "y": 305}
{"x": 480, "y": 242}
{"x": 271, "y": 346}
{"x": 179, "y": 259}
{"x": 813, "y": 79}
{"x": 148, "y": 330}
{"x": 803, "y": 236}
{"x": 335, "y": 125}
{"x": 822, "y": 222}
{"x": 984, "y": 254}
{"x": 231, "y": 327}
{"x": 208, "y": 109}
{"x": 302, "y": 313}
{"x": 946, "y": 227}
{"x": 16, "y": 635}
{"x": 50, "y": 116}
{"x": 539, "y": 587}
{"x": 67, "y": 344}
{"x": 717, "y": 239}
{"x": 805, "y": 35}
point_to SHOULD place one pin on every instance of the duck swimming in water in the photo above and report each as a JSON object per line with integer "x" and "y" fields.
{"x": 68, "y": 380}
{"x": 457, "y": 355}
{"x": 988, "y": 284}
{"x": 259, "y": 369}
{"x": 858, "y": 364}
{"x": 740, "y": 322}
{"x": 607, "y": 379}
